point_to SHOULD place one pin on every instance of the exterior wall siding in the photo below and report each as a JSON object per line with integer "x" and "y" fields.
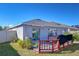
{"x": 61, "y": 31}
{"x": 43, "y": 33}
{"x": 19, "y": 31}
{"x": 26, "y": 31}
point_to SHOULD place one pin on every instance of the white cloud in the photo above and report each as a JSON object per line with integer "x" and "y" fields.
{"x": 10, "y": 25}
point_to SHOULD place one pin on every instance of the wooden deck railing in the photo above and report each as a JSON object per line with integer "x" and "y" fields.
{"x": 48, "y": 45}
{"x": 52, "y": 45}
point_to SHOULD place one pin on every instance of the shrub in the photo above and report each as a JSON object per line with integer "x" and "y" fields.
{"x": 76, "y": 36}
{"x": 20, "y": 42}
{"x": 25, "y": 44}
{"x": 14, "y": 41}
{"x": 28, "y": 43}
{"x": 35, "y": 45}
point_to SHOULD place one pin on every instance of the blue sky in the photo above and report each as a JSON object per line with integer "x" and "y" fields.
{"x": 13, "y": 14}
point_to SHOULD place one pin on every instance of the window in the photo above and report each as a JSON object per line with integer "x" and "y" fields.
{"x": 35, "y": 34}
{"x": 52, "y": 32}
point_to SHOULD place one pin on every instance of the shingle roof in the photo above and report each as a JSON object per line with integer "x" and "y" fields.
{"x": 42, "y": 23}
{"x": 39, "y": 22}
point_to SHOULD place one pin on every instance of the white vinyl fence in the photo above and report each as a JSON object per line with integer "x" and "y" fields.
{"x": 6, "y": 36}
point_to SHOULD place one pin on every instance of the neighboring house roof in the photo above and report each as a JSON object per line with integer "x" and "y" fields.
{"x": 41, "y": 23}
{"x": 74, "y": 29}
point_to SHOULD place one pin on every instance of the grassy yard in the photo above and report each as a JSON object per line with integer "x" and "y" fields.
{"x": 13, "y": 49}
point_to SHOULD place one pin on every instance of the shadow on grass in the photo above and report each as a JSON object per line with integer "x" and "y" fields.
{"x": 7, "y": 50}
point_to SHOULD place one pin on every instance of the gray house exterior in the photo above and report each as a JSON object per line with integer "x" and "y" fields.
{"x": 42, "y": 28}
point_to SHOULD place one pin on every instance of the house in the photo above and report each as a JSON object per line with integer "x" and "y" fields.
{"x": 39, "y": 29}
{"x": 74, "y": 30}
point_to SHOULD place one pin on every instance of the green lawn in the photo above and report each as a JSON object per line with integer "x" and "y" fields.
{"x": 13, "y": 49}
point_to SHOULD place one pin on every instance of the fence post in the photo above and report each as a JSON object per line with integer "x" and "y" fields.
{"x": 39, "y": 45}
{"x": 58, "y": 45}
{"x": 52, "y": 45}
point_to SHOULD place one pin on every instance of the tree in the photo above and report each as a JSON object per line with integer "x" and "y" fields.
{"x": 6, "y": 27}
{"x": 1, "y": 28}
